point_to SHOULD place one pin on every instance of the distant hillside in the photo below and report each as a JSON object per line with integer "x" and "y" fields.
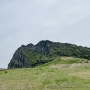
{"x": 45, "y": 51}
{"x": 1, "y": 69}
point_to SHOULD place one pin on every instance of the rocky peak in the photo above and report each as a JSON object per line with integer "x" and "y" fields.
{"x": 33, "y": 55}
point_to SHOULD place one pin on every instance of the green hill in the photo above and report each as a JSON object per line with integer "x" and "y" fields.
{"x": 45, "y": 51}
{"x": 63, "y": 73}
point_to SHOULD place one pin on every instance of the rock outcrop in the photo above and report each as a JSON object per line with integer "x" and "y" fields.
{"x": 45, "y": 51}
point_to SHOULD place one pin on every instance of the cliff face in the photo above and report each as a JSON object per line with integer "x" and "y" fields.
{"x": 30, "y": 55}
{"x": 19, "y": 60}
{"x": 45, "y": 51}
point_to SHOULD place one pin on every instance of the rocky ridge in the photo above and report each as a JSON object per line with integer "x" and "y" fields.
{"x": 45, "y": 51}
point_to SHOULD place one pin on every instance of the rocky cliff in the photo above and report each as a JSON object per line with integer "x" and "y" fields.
{"x": 45, "y": 51}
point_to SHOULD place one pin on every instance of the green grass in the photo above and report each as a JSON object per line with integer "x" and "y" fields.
{"x": 61, "y": 74}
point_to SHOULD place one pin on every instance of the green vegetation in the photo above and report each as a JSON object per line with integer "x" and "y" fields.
{"x": 36, "y": 59}
{"x": 63, "y": 73}
{"x": 46, "y": 51}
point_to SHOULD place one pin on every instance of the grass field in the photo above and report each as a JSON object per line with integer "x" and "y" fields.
{"x": 64, "y": 73}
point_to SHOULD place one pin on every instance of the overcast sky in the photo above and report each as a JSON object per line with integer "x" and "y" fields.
{"x": 29, "y": 21}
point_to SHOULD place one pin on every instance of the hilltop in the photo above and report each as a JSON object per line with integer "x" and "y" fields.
{"x": 45, "y": 51}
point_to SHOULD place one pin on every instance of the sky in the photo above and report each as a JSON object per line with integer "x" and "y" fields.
{"x": 29, "y": 21}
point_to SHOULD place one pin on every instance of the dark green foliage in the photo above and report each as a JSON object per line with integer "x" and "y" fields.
{"x": 5, "y": 71}
{"x": 46, "y": 51}
{"x": 36, "y": 58}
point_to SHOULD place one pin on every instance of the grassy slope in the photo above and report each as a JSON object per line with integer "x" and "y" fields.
{"x": 61, "y": 74}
